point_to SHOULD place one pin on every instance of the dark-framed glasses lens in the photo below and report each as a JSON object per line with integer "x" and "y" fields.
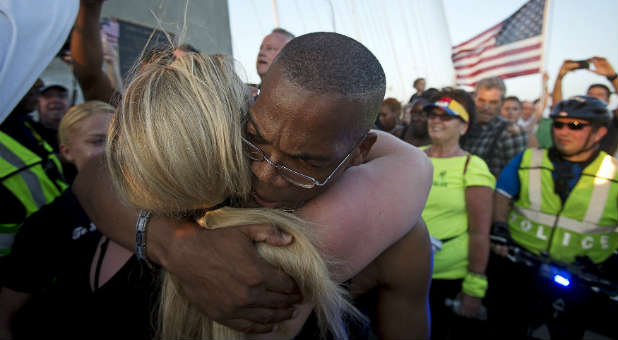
{"x": 443, "y": 117}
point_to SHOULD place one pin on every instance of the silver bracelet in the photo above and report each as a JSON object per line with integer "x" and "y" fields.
{"x": 140, "y": 237}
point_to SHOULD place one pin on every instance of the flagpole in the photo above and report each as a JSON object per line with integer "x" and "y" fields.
{"x": 273, "y": 3}
{"x": 355, "y": 20}
{"x": 450, "y": 40}
{"x": 546, "y": 13}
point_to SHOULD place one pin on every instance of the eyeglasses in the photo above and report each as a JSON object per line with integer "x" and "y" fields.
{"x": 572, "y": 125}
{"x": 443, "y": 117}
{"x": 295, "y": 177}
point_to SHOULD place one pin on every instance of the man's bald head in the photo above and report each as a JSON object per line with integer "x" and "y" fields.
{"x": 331, "y": 63}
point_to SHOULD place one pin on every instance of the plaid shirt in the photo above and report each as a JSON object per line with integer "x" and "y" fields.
{"x": 496, "y": 142}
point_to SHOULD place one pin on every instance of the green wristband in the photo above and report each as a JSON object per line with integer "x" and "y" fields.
{"x": 474, "y": 285}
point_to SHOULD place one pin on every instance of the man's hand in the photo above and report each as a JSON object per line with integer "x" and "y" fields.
{"x": 567, "y": 66}
{"x": 221, "y": 272}
{"x": 602, "y": 66}
{"x": 470, "y": 306}
{"x": 499, "y": 249}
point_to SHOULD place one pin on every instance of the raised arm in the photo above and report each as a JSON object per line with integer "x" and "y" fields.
{"x": 604, "y": 68}
{"x": 567, "y": 66}
{"x": 537, "y": 114}
{"x": 87, "y": 53}
{"x": 111, "y": 61}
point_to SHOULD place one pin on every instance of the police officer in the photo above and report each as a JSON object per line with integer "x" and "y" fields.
{"x": 560, "y": 203}
{"x": 30, "y": 173}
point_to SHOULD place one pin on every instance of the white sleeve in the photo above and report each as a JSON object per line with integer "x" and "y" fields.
{"x": 31, "y": 33}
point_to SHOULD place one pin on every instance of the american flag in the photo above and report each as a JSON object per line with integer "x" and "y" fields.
{"x": 509, "y": 49}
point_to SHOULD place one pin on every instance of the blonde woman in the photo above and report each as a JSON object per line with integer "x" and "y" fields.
{"x": 83, "y": 130}
{"x": 45, "y": 287}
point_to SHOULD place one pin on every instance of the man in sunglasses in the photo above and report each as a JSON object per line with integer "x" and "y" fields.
{"x": 559, "y": 203}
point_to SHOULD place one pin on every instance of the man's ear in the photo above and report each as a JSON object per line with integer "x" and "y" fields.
{"x": 600, "y": 133}
{"x": 360, "y": 155}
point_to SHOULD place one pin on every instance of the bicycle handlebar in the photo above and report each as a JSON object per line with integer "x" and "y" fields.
{"x": 582, "y": 273}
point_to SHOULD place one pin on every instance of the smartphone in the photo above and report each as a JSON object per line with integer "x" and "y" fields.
{"x": 582, "y": 64}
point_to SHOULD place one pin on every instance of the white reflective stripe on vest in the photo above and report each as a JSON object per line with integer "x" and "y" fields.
{"x": 534, "y": 179}
{"x": 563, "y": 222}
{"x": 602, "y": 183}
{"x": 31, "y": 179}
{"x": 6, "y": 240}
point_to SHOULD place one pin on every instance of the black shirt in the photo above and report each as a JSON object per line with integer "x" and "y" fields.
{"x": 51, "y": 259}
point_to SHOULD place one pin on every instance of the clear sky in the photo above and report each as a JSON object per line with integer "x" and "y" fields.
{"x": 412, "y": 38}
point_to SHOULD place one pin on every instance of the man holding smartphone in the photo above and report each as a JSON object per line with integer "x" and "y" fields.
{"x": 600, "y": 66}
{"x": 597, "y": 65}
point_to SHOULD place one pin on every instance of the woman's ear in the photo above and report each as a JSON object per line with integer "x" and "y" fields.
{"x": 464, "y": 128}
{"x": 360, "y": 155}
{"x": 65, "y": 152}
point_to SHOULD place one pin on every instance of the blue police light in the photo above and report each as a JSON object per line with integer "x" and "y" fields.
{"x": 561, "y": 280}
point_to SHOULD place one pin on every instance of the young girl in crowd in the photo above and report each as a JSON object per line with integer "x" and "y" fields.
{"x": 45, "y": 282}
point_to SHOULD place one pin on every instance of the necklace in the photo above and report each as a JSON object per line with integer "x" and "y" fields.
{"x": 457, "y": 151}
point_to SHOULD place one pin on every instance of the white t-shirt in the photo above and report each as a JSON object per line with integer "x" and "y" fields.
{"x": 31, "y": 33}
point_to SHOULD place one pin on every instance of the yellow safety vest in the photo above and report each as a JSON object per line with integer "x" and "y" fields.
{"x": 584, "y": 226}
{"x": 23, "y": 173}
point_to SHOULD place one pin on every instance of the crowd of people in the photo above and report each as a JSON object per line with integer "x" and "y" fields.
{"x": 553, "y": 180}
{"x": 181, "y": 202}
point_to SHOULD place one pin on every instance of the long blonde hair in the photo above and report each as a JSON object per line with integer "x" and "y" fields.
{"x": 175, "y": 147}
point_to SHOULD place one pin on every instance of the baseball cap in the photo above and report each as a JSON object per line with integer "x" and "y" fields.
{"x": 52, "y": 84}
{"x": 450, "y": 106}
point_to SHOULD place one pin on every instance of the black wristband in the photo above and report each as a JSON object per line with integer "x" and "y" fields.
{"x": 500, "y": 233}
{"x": 500, "y": 224}
{"x": 611, "y": 78}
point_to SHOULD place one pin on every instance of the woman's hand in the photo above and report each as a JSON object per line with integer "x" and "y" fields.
{"x": 470, "y": 306}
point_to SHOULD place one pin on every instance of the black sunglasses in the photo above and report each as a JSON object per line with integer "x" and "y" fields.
{"x": 445, "y": 117}
{"x": 573, "y": 125}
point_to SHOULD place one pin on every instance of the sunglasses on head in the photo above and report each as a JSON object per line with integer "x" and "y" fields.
{"x": 573, "y": 125}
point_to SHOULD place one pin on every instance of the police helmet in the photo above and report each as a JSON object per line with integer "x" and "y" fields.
{"x": 583, "y": 107}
